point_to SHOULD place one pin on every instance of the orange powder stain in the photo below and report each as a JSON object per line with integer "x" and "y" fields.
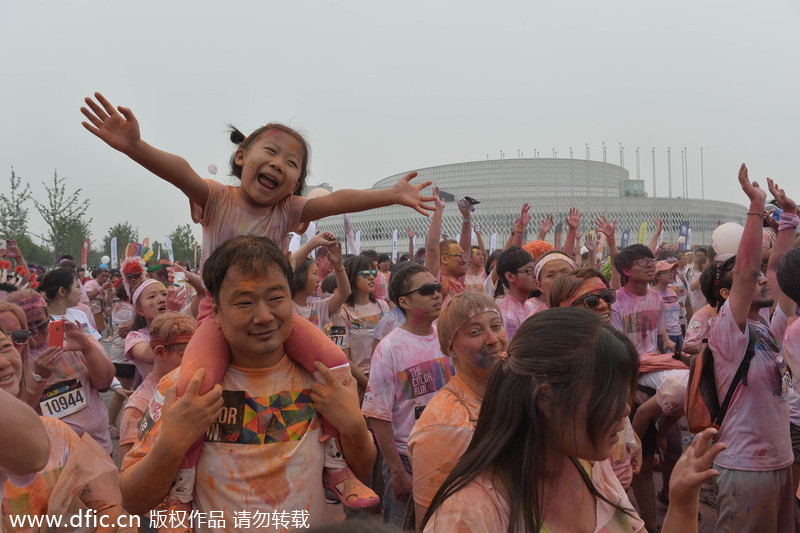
{"x": 274, "y": 489}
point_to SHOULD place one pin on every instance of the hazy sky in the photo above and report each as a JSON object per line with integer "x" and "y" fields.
{"x": 380, "y": 88}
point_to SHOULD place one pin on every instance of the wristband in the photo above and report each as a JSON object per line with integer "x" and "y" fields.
{"x": 466, "y": 220}
{"x": 788, "y": 221}
{"x": 757, "y": 213}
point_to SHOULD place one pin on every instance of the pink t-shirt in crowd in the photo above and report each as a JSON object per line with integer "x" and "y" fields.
{"x": 672, "y": 309}
{"x": 315, "y": 311}
{"x": 756, "y": 428}
{"x": 699, "y": 326}
{"x": 696, "y": 296}
{"x": 226, "y": 215}
{"x": 70, "y": 396}
{"x": 132, "y": 339}
{"x": 135, "y": 407}
{"x": 360, "y": 322}
{"x": 638, "y": 317}
{"x": 514, "y": 313}
{"x": 779, "y": 326}
{"x": 406, "y": 372}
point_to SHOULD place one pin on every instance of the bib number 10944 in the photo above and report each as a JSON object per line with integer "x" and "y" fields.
{"x": 62, "y": 399}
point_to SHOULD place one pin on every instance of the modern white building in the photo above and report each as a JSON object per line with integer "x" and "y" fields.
{"x": 551, "y": 186}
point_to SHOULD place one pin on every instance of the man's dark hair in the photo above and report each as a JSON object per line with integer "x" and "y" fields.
{"x": 789, "y": 274}
{"x": 329, "y": 284}
{"x": 626, "y": 257}
{"x": 251, "y": 255}
{"x": 400, "y": 281}
{"x": 372, "y": 254}
{"x": 511, "y": 260}
{"x": 383, "y": 257}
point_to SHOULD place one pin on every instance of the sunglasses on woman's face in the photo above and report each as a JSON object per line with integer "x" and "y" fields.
{"x": 426, "y": 290}
{"x": 591, "y": 301}
{"x": 35, "y": 330}
{"x": 19, "y": 336}
{"x": 366, "y": 274}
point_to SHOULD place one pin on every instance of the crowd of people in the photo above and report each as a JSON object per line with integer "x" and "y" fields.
{"x": 533, "y": 388}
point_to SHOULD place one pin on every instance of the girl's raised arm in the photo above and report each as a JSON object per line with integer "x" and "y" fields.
{"x": 353, "y": 201}
{"x": 119, "y": 129}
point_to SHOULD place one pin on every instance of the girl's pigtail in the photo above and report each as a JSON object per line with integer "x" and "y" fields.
{"x": 237, "y": 137}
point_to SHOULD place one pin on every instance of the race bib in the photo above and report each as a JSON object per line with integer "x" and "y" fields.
{"x": 62, "y": 399}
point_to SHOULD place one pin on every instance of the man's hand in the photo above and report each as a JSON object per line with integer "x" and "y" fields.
{"x": 545, "y": 225}
{"x": 573, "y": 219}
{"x": 605, "y": 227}
{"x": 401, "y": 484}
{"x": 438, "y": 204}
{"x": 186, "y": 419}
{"x": 524, "y": 216}
{"x": 784, "y": 202}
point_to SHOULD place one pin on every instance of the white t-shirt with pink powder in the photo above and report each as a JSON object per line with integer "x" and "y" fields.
{"x": 132, "y": 339}
{"x": 639, "y": 318}
{"x": 226, "y": 215}
{"x": 756, "y": 428}
{"x": 514, "y": 313}
{"x": 405, "y": 374}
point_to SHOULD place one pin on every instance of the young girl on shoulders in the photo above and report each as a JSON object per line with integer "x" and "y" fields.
{"x": 271, "y": 164}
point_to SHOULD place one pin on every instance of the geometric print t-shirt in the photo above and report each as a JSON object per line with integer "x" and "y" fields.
{"x": 263, "y": 452}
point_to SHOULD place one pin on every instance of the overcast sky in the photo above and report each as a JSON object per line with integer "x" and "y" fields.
{"x": 379, "y": 88}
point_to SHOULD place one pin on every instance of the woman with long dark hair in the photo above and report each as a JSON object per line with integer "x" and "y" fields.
{"x": 551, "y": 414}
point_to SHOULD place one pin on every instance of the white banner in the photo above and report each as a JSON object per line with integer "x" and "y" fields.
{"x": 114, "y": 258}
{"x": 358, "y": 243}
{"x": 493, "y": 243}
{"x": 294, "y": 242}
{"x": 168, "y": 246}
{"x": 394, "y": 246}
{"x": 310, "y": 232}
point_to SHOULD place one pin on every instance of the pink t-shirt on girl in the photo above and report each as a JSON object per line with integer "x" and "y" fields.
{"x": 132, "y": 339}
{"x": 315, "y": 311}
{"x": 360, "y": 322}
{"x": 226, "y": 215}
{"x": 672, "y": 310}
{"x": 638, "y": 317}
{"x": 406, "y": 372}
{"x": 756, "y": 428}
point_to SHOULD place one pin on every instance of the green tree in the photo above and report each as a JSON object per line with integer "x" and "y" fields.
{"x": 13, "y": 213}
{"x": 183, "y": 244}
{"x": 125, "y": 233}
{"x": 74, "y": 233}
{"x": 35, "y": 253}
{"x": 64, "y": 215}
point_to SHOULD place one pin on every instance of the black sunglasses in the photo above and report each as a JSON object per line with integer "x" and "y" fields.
{"x": 591, "y": 301}
{"x": 19, "y": 336}
{"x": 426, "y": 290}
{"x": 35, "y": 330}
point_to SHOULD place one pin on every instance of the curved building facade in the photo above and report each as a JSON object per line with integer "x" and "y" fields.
{"x": 550, "y": 186}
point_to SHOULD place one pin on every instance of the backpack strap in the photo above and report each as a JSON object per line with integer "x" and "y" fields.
{"x": 741, "y": 375}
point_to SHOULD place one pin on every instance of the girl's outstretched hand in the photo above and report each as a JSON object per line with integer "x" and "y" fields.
{"x": 411, "y": 195}
{"x": 694, "y": 468}
{"x": 116, "y": 127}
